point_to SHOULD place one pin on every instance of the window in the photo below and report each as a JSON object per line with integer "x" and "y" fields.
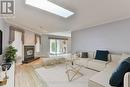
{"x": 17, "y": 43}
{"x": 37, "y": 46}
{"x": 53, "y": 46}
{"x": 50, "y": 7}
{"x": 58, "y": 46}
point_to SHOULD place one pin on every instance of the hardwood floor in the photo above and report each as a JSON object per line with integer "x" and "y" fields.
{"x": 25, "y": 76}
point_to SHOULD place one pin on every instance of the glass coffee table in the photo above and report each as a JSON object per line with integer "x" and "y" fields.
{"x": 73, "y": 70}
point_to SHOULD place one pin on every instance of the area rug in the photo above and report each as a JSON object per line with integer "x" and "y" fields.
{"x": 56, "y": 77}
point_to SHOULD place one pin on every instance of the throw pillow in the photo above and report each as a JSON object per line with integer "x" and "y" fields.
{"x": 102, "y": 55}
{"x": 118, "y": 75}
{"x": 84, "y": 55}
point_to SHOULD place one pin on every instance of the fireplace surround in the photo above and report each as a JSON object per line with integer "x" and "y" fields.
{"x": 29, "y": 54}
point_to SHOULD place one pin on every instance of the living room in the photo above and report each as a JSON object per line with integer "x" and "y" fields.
{"x": 54, "y": 43}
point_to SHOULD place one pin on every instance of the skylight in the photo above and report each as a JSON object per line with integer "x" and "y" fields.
{"x": 50, "y": 7}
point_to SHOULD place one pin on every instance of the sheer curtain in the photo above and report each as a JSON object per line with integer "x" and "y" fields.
{"x": 37, "y": 45}
{"x": 17, "y": 43}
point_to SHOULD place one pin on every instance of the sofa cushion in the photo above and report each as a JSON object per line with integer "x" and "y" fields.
{"x": 83, "y": 61}
{"x": 101, "y": 79}
{"x": 97, "y": 64}
{"x": 102, "y": 55}
{"x": 123, "y": 57}
{"x": 91, "y": 54}
{"x": 115, "y": 58}
{"x": 84, "y": 55}
{"x": 118, "y": 75}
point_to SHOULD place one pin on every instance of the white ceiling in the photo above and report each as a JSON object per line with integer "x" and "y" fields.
{"x": 88, "y": 13}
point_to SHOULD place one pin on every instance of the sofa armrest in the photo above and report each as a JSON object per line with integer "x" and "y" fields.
{"x": 107, "y": 63}
{"x": 127, "y": 80}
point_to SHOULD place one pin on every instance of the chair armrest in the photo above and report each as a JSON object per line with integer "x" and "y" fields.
{"x": 127, "y": 80}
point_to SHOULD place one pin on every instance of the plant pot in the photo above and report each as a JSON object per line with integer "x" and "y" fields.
{"x": 8, "y": 60}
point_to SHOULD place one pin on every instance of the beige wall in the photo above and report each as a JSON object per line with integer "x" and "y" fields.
{"x": 29, "y": 38}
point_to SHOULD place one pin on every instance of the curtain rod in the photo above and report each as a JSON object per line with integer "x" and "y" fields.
{"x": 57, "y": 38}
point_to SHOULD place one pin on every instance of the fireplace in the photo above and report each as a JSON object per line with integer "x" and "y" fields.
{"x": 29, "y": 52}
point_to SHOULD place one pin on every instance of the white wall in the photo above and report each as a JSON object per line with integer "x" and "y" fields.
{"x": 45, "y": 45}
{"x": 114, "y": 37}
{"x": 5, "y": 29}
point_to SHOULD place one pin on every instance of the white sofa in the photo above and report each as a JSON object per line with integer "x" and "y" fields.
{"x": 92, "y": 63}
{"x": 127, "y": 80}
{"x": 84, "y": 61}
{"x": 101, "y": 79}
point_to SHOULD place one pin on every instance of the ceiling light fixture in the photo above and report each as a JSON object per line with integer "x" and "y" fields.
{"x": 50, "y": 7}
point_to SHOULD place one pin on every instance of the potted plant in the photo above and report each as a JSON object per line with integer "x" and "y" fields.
{"x": 10, "y": 54}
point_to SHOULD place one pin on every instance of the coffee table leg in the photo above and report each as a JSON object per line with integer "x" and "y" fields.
{"x": 76, "y": 72}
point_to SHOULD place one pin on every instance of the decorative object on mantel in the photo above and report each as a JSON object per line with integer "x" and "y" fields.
{"x": 10, "y": 54}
